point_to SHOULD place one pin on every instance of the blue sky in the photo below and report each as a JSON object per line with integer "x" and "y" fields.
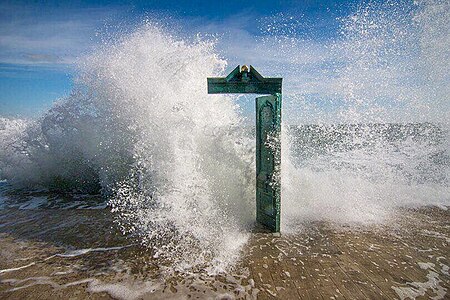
{"x": 330, "y": 73}
{"x": 40, "y": 42}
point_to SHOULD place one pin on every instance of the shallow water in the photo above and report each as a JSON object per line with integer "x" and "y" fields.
{"x": 55, "y": 253}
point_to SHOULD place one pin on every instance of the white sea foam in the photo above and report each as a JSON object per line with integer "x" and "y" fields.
{"x": 78, "y": 252}
{"x": 416, "y": 289}
{"x": 17, "y": 268}
{"x": 124, "y": 291}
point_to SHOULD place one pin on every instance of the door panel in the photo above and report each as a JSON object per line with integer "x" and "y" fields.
{"x": 268, "y": 129}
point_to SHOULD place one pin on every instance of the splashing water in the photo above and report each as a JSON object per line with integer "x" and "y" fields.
{"x": 191, "y": 184}
{"x": 388, "y": 81}
{"x": 178, "y": 165}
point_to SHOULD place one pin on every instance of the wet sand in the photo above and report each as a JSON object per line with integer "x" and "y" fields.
{"x": 79, "y": 254}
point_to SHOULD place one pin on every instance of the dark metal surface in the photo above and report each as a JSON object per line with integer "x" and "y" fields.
{"x": 238, "y": 82}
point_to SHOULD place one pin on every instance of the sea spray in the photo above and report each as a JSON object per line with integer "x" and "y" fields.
{"x": 378, "y": 139}
{"x": 174, "y": 162}
{"x": 190, "y": 189}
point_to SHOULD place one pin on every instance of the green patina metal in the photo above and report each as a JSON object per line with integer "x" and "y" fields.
{"x": 244, "y": 82}
{"x": 268, "y": 132}
{"x": 268, "y": 160}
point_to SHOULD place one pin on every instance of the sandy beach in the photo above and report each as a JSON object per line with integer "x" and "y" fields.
{"x": 79, "y": 254}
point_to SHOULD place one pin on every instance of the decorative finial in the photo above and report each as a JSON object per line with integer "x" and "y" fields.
{"x": 244, "y": 68}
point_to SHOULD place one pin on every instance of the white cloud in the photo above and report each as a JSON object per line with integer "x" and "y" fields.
{"x": 339, "y": 72}
{"x": 38, "y": 35}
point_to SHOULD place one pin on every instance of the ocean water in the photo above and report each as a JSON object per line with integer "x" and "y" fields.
{"x": 366, "y": 134}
